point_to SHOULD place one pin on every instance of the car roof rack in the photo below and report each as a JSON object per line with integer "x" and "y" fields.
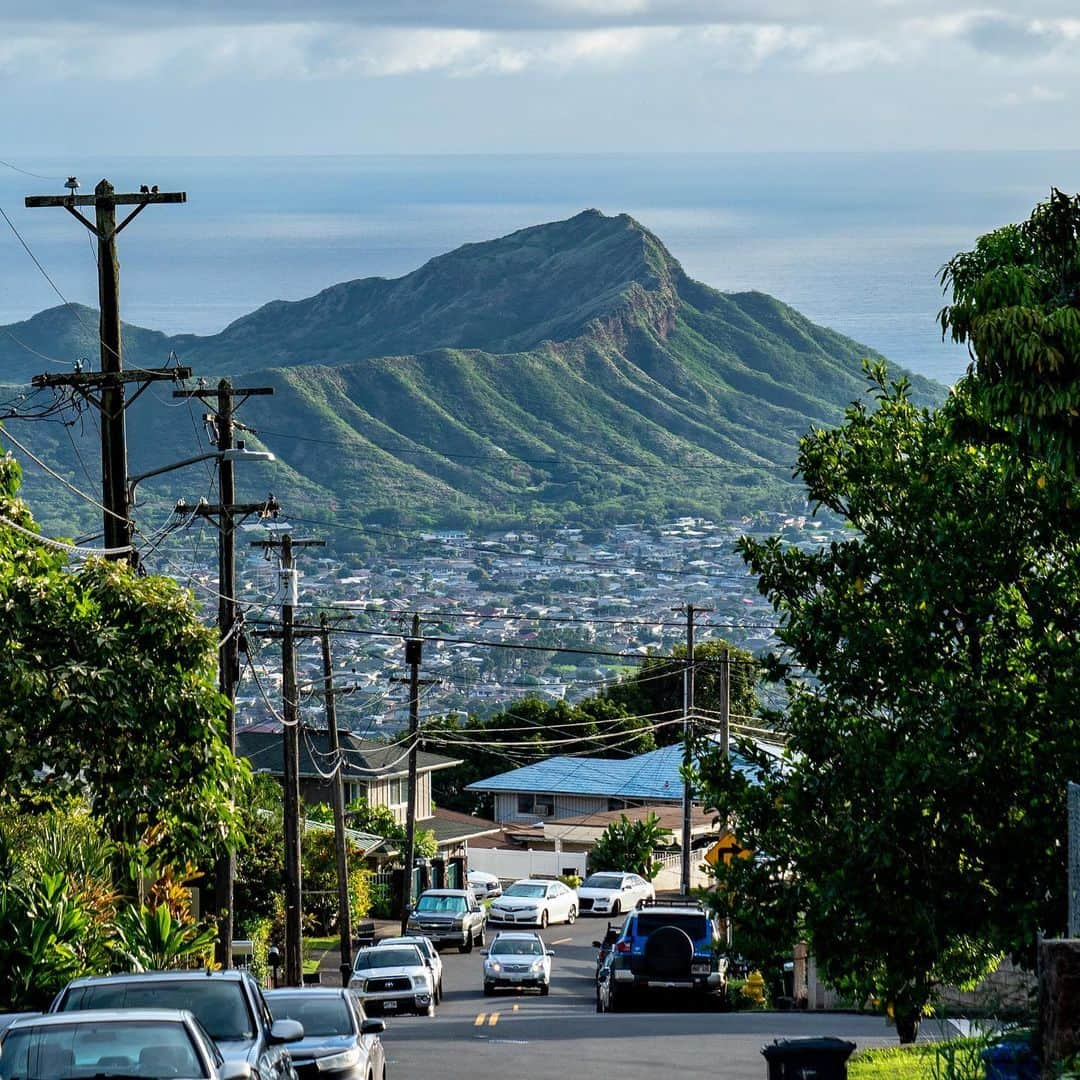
{"x": 678, "y": 901}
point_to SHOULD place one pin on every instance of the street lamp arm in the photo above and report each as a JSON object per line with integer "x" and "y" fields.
{"x": 239, "y": 454}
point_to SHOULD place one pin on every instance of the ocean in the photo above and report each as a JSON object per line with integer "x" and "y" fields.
{"x": 854, "y": 241}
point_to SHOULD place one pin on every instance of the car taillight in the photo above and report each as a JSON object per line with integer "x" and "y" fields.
{"x": 622, "y": 946}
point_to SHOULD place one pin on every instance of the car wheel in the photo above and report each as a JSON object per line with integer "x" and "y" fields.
{"x": 616, "y": 908}
{"x": 543, "y": 919}
{"x": 467, "y": 944}
{"x": 571, "y": 915}
{"x": 482, "y": 940}
{"x": 488, "y": 989}
{"x": 430, "y": 1011}
{"x": 544, "y": 989}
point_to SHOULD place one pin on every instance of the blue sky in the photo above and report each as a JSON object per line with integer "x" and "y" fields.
{"x": 490, "y": 76}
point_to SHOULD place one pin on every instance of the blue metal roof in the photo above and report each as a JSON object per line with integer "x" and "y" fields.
{"x": 653, "y": 776}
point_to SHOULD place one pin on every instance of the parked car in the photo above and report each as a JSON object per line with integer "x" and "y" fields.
{"x": 605, "y": 944}
{"x": 7, "y": 1019}
{"x": 517, "y": 960}
{"x": 393, "y": 978}
{"x": 485, "y": 886}
{"x": 535, "y": 903}
{"x": 612, "y": 892}
{"x": 340, "y": 1042}
{"x": 114, "y": 1042}
{"x": 663, "y": 947}
{"x": 429, "y": 953}
{"x": 449, "y": 917}
{"x": 228, "y": 1004}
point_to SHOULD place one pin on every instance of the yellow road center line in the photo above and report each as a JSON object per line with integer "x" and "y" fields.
{"x": 516, "y": 1007}
{"x": 563, "y": 941}
{"x": 479, "y": 1021}
{"x": 493, "y": 1020}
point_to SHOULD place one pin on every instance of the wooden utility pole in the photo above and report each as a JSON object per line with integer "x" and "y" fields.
{"x": 294, "y": 947}
{"x": 111, "y": 380}
{"x": 227, "y": 515}
{"x": 413, "y": 652}
{"x": 688, "y": 752}
{"x": 337, "y": 791}
{"x": 414, "y": 646}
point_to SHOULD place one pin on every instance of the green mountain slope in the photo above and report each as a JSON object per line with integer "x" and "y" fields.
{"x": 567, "y": 371}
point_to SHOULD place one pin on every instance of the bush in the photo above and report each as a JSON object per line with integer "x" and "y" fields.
{"x": 571, "y": 881}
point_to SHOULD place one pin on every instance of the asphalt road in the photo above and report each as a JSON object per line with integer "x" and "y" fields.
{"x": 521, "y": 1036}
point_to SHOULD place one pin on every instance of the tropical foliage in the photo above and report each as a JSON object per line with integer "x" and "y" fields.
{"x": 110, "y": 690}
{"x": 629, "y": 846}
{"x": 937, "y": 735}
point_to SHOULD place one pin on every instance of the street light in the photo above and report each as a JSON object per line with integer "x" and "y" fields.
{"x": 240, "y": 453}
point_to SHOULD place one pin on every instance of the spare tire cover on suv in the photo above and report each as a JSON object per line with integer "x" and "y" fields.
{"x": 669, "y": 952}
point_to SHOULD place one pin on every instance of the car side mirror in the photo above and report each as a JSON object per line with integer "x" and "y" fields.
{"x": 235, "y": 1070}
{"x": 550, "y": 952}
{"x": 483, "y": 952}
{"x": 286, "y": 1031}
{"x": 372, "y": 1027}
{"x": 597, "y": 944}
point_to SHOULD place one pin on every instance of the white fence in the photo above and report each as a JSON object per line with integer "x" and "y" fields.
{"x": 513, "y": 865}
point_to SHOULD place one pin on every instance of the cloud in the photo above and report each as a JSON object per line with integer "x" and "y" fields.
{"x": 1033, "y": 95}
{"x": 1010, "y": 35}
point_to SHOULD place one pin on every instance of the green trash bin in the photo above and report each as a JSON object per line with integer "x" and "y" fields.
{"x": 822, "y": 1058}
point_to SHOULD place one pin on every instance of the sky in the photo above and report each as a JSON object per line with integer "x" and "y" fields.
{"x": 518, "y": 76}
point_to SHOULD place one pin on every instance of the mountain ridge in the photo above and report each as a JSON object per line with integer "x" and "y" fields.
{"x": 568, "y": 370}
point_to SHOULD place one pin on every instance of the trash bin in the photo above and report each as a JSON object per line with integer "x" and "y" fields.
{"x": 1011, "y": 1061}
{"x": 808, "y": 1059}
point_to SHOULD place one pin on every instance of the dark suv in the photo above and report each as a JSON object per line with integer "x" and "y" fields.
{"x": 663, "y": 946}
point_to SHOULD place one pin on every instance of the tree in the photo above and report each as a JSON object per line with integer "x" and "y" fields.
{"x": 936, "y": 738}
{"x": 109, "y": 686}
{"x": 629, "y": 845}
{"x": 656, "y": 688}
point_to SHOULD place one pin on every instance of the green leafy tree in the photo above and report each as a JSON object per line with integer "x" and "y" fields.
{"x": 109, "y": 686}
{"x": 154, "y": 939}
{"x": 936, "y": 738}
{"x": 629, "y": 846}
{"x": 656, "y": 688}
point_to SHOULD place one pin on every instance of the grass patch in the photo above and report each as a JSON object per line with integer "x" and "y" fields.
{"x": 953, "y": 1059}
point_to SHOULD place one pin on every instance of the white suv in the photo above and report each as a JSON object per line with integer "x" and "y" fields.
{"x": 393, "y": 978}
{"x": 517, "y": 960}
{"x": 429, "y": 953}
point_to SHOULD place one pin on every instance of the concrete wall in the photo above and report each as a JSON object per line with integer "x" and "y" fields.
{"x": 512, "y": 865}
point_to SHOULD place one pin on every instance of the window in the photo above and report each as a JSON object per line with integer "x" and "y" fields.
{"x": 397, "y": 791}
{"x": 541, "y": 806}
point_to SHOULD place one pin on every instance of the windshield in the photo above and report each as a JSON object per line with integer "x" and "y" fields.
{"x": 603, "y": 881}
{"x": 320, "y": 1014}
{"x": 103, "y": 1048}
{"x": 220, "y": 1005}
{"x": 526, "y": 890}
{"x": 454, "y": 904}
{"x": 425, "y": 946}
{"x": 516, "y": 947}
{"x": 388, "y": 956}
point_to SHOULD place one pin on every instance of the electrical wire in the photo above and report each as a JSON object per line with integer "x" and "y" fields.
{"x": 26, "y": 172}
{"x": 72, "y": 549}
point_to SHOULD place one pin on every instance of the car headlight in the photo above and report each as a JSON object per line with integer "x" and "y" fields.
{"x": 459, "y": 922}
{"x": 420, "y": 982}
{"x": 494, "y": 966}
{"x": 347, "y": 1059}
{"x": 538, "y": 965}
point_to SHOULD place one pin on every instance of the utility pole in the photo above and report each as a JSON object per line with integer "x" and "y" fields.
{"x": 227, "y": 515}
{"x": 111, "y": 379}
{"x": 413, "y": 653}
{"x": 725, "y": 704}
{"x": 291, "y": 757}
{"x": 338, "y": 793}
{"x": 688, "y": 755}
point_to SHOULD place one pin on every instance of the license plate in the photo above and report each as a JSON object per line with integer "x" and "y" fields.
{"x": 389, "y": 1005}
{"x": 699, "y": 969}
